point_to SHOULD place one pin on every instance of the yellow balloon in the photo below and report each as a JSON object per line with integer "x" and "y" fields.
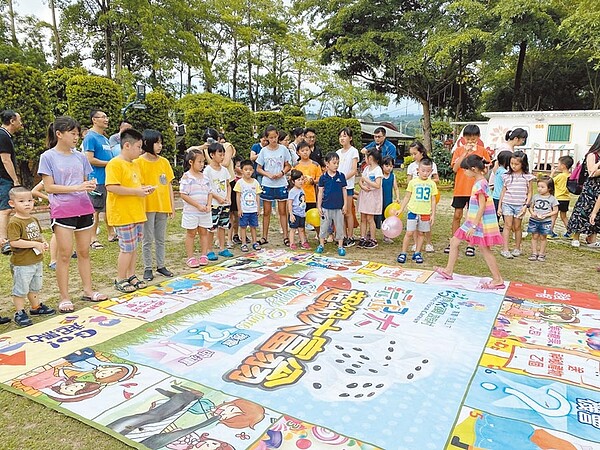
{"x": 437, "y": 198}
{"x": 391, "y": 209}
{"x": 313, "y": 217}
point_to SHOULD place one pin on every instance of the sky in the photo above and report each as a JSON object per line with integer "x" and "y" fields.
{"x": 40, "y": 9}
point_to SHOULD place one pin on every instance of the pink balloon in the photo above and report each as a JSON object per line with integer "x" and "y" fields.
{"x": 391, "y": 227}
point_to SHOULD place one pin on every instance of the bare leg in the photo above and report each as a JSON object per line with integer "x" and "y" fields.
{"x": 363, "y": 225}
{"x": 124, "y": 264}
{"x": 419, "y": 241}
{"x": 252, "y": 233}
{"x": 4, "y": 215}
{"x": 266, "y": 219}
{"x": 190, "y": 236}
{"x": 490, "y": 260}
{"x": 64, "y": 248}
{"x": 283, "y": 221}
{"x": 456, "y": 219}
{"x": 82, "y": 243}
{"x": 543, "y": 241}
{"x": 452, "y": 256}
{"x": 508, "y": 225}
{"x": 205, "y": 238}
{"x": 34, "y": 300}
{"x": 534, "y": 243}
{"x": 518, "y": 232}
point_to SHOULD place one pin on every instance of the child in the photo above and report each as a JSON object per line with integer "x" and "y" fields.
{"x": 284, "y": 139}
{"x": 502, "y": 163}
{"x": 196, "y": 219}
{"x": 349, "y": 167}
{"x": 297, "y": 210}
{"x": 64, "y": 171}
{"x": 312, "y": 172}
{"x": 332, "y": 202}
{"x": 562, "y": 194}
{"x": 420, "y": 199}
{"x": 462, "y": 183}
{"x": 370, "y": 198}
{"x": 219, "y": 178}
{"x": 515, "y": 198}
{"x": 247, "y": 191}
{"x": 481, "y": 225}
{"x": 390, "y": 191}
{"x": 27, "y": 244}
{"x": 273, "y": 163}
{"x": 544, "y": 206}
{"x": 234, "y": 225}
{"x": 156, "y": 171}
{"x": 418, "y": 151}
{"x": 125, "y": 208}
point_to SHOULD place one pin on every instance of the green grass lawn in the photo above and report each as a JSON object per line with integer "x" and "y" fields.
{"x": 28, "y": 425}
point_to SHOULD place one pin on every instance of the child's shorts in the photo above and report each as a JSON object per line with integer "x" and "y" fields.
{"x": 193, "y": 221}
{"x": 542, "y": 227}
{"x": 329, "y": 216}
{"x": 274, "y": 193}
{"x": 76, "y": 223}
{"x": 460, "y": 201}
{"x": 220, "y": 217}
{"x": 249, "y": 220}
{"x": 129, "y": 236}
{"x": 418, "y": 222}
{"x": 299, "y": 223}
{"x": 511, "y": 210}
{"x": 563, "y": 205}
{"x": 26, "y": 279}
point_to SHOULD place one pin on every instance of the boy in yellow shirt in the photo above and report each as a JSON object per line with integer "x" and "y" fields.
{"x": 125, "y": 208}
{"x": 312, "y": 172}
{"x": 561, "y": 192}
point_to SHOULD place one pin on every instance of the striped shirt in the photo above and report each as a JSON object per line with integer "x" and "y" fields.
{"x": 517, "y": 187}
{"x": 197, "y": 188}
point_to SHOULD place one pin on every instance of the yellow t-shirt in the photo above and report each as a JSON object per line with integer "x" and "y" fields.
{"x": 124, "y": 209}
{"x": 157, "y": 173}
{"x": 422, "y": 191}
{"x": 314, "y": 171}
{"x": 560, "y": 186}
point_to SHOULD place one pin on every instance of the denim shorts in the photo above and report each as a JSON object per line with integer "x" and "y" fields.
{"x": 543, "y": 227}
{"x": 511, "y": 210}
{"x": 249, "y": 220}
{"x": 5, "y": 186}
{"x": 27, "y": 279}
{"x": 274, "y": 193}
{"x": 299, "y": 223}
{"x": 129, "y": 236}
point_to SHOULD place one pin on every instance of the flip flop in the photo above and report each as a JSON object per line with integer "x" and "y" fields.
{"x": 95, "y": 297}
{"x": 489, "y": 286}
{"x": 442, "y": 274}
{"x": 470, "y": 251}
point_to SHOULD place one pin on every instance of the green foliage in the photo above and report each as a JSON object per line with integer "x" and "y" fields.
{"x": 156, "y": 117}
{"x": 56, "y": 83}
{"x": 87, "y": 92}
{"x": 291, "y": 110}
{"x": 238, "y": 122}
{"x": 440, "y": 128}
{"x": 442, "y": 159}
{"x": 328, "y": 131}
{"x": 205, "y": 100}
{"x": 23, "y": 90}
{"x": 291, "y": 122}
{"x": 197, "y": 120}
{"x": 265, "y": 118}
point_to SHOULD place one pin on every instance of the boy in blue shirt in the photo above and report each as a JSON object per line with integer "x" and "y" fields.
{"x": 332, "y": 202}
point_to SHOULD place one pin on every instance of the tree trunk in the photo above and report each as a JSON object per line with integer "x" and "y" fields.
{"x": 250, "y": 95}
{"x": 189, "y": 79}
{"x": 519, "y": 76}
{"x": 275, "y": 77}
{"x": 235, "y": 70}
{"x": 13, "y": 29}
{"x": 57, "y": 45}
{"x": 298, "y": 86}
{"x": 426, "y": 124}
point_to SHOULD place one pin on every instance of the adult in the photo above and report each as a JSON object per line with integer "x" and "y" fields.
{"x": 579, "y": 222}
{"x": 98, "y": 152}
{"x": 310, "y": 136}
{"x": 512, "y": 138}
{"x": 115, "y": 139}
{"x": 348, "y": 155}
{"x": 11, "y": 124}
{"x": 385, "y": 147}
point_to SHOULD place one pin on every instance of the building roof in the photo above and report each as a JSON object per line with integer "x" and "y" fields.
{"x": 369, "y": 128}
{"x": 573, "y": 113}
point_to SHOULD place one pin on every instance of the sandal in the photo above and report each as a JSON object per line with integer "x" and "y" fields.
{"x": 470, "y": 251}
{"x": 442, "y": 274}
{"x": 96, "y": 245}
{"x": 66, "y": 306}
{"x": 256, "y": 246}
{"x": 244, "y": 248}
{"x": 489, "y": 286}
{"x": 95, "y": 297}
{"x": 193, "y": 262}
{"x": 136, "y": 282}
{"x": 124, "y": 286}
{"x": 286, "y": 242}
{"x": 263, "y": 241}
{"x": 115, "y": 238}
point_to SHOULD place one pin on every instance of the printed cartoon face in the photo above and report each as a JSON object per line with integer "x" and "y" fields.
{"x": 228, "y": 411}
{"x": 72, "y": 388}
{"x": 103, "y": 372}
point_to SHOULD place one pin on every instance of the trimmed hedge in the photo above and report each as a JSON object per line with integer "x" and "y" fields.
{"x": 197, "y": 120}
{"x": 265, "y": 118}
{"x": 56, "y": 83}
{"x": 156, "y": 117}
{"x": 328, "y": 130}
{"x": 238, "y": 123}
{"x": 291, "y": 122}
{"x": 24, "y": 91}
{"x": 87, "y": 92}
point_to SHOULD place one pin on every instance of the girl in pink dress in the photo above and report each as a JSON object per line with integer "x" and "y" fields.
{"x": 481, "y": 226}
{"x": 370, "y": 198}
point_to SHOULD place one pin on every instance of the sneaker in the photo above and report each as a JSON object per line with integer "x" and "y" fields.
{"x": 371, "y": 243}
{"x": 211, "y": 256}
{"x": 552, "y": 235}
{"x": 516, "y": 252}
{"x": 42, "y": 310}
{"x": 361, "y": 242}
{"x": 165, "y": 272}
{"x": 319, "y": 249}
{"x": 225, "y": 253}
{"x": 148, "y": 275}
{"x": 387, "y": 240}
{"x": 305, "y": 245}
{"x": 6, "y": 250}
{"x": 236, "y": 239}
{"x": 417, "y": 257}
{"x": 203, "y": 260}
{"x": 341, "y": 251}
{"x": 349, "y": 242}
{"x": 193, "y": 263}
{"x": 507, "y": 254}
{"x": 4, "y": 320}
{"x": 22, "y": 319}
{"x": 309, "y": 227}
{"x": 567, "y": 235}
{"x": 429, "y": 248}
{"x": 401, "y": 258}
{"x": 575, "y": 243}
{"x": 52, "y": 265}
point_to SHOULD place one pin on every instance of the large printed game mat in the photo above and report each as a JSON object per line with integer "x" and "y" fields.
{"x": 281, "y": 350}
